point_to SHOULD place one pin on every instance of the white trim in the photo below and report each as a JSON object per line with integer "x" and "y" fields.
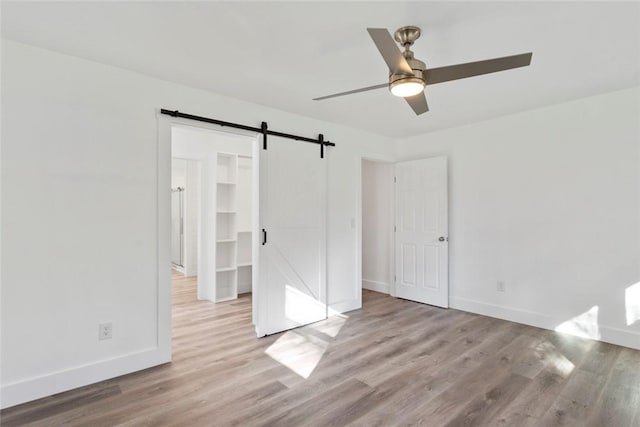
{"x": 255, "y": 230}
{"x": 164, "y": 235}
{"x": 344, "y": 306}
{"x": 608, "y": 334}
{"x": 374, "y": 285}
{"x": 392, "y": 235}
{"x": 56, "y": 382}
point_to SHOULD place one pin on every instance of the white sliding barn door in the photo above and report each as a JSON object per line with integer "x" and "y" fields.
{"x": 292, "y": 288}
{"x": 422, "y": 244}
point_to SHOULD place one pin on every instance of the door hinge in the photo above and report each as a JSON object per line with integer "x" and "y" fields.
{"x": 394, "y": 228}
{"x": 395, "y": 179}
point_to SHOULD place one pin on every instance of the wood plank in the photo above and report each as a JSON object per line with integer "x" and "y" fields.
{"x": 486, "y": 405}
{"x": 576, "y": 402}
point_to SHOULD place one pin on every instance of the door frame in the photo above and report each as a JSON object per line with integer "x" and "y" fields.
{"x": 392, "y": 265}
{"x": 163, "y": 212}
{"x": 392, "y": 253}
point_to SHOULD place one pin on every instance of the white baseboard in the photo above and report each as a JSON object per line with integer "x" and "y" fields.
{"x": 35, "y": 388}
{"x": 373, "y": 285}
{"x": 607, "y": 334}
{"x": 244, "y": 288}
{"x": 190, "y": 271}
{"x": 343, "y": 307}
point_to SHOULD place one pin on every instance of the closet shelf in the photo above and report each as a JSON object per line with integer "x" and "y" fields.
{"x": 226, "y": 241}
{"x": 221, "y": 269}
{"x": 226, "y": 212}
{"x": 226, "y": 183}
{"x": 244, "y": 264}
{"x": 244, "y": 231}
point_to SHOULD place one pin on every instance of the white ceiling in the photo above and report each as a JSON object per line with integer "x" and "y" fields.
{"x": 283, "y": 54}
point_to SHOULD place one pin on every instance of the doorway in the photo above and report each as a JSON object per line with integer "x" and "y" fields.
{"x": 211, "y": 214}
{"x": 377, "y": 226}
{"x": 288, "y": 203}
{"x": 405, "y": 242}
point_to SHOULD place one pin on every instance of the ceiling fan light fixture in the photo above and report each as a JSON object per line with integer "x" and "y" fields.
{"x": 408, "y": 76}
{"x": 406, "y": 87}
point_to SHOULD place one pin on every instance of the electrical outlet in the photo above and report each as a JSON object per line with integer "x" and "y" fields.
{"x": 500, "y": 286}
{"x": 105, "y": 331}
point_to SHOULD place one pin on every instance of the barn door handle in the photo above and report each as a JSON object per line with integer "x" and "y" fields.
{"x": 441, "y": 239}
{"x": 264, "y": 236}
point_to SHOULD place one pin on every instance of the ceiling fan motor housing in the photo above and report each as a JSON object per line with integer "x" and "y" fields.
{"x": 417, "y": 67}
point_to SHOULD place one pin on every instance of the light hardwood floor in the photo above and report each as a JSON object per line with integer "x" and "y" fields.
{"x": 394, "y": 362}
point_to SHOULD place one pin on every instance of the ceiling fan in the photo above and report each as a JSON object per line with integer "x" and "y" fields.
{"x": 408, "y": 76}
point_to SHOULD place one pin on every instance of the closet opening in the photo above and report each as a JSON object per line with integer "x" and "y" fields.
{"x": 377, "y": 228}
{"x": 212, "y": 218}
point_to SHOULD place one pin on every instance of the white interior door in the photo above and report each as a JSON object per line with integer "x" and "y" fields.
{"x": 422, "y": 244}
{"x": 292, "y": 252}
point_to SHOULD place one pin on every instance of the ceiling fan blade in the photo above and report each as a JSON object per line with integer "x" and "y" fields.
{"x": 470, "y": 69}
{"x": 389, "y": 51}
{"x": 364, "y": 89}
{"x": 418, "y": 103}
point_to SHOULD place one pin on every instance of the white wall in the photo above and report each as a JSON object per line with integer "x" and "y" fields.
{"x": 377, "y": 225}
{"x": 80, "y": 139}
{"x": 194, "y": 142}
{"x": 548, "y": 201}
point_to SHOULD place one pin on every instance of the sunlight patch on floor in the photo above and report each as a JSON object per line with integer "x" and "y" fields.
{"x": 302, "y": 349}
{"x": 553, "y": 358}
{"x": 330, "y": 327}
{"x": 632, "y": 303}
{"x": 584, "y": 325}
{"x": 298, "y": 352}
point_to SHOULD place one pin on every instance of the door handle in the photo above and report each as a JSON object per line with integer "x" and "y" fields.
{"x": 264, "y": 237}
{"x": 442, "y": 239}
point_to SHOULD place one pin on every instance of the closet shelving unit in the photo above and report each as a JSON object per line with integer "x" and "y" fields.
{"x": 233, "y": 230}
{"x": 226, "y": 237}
